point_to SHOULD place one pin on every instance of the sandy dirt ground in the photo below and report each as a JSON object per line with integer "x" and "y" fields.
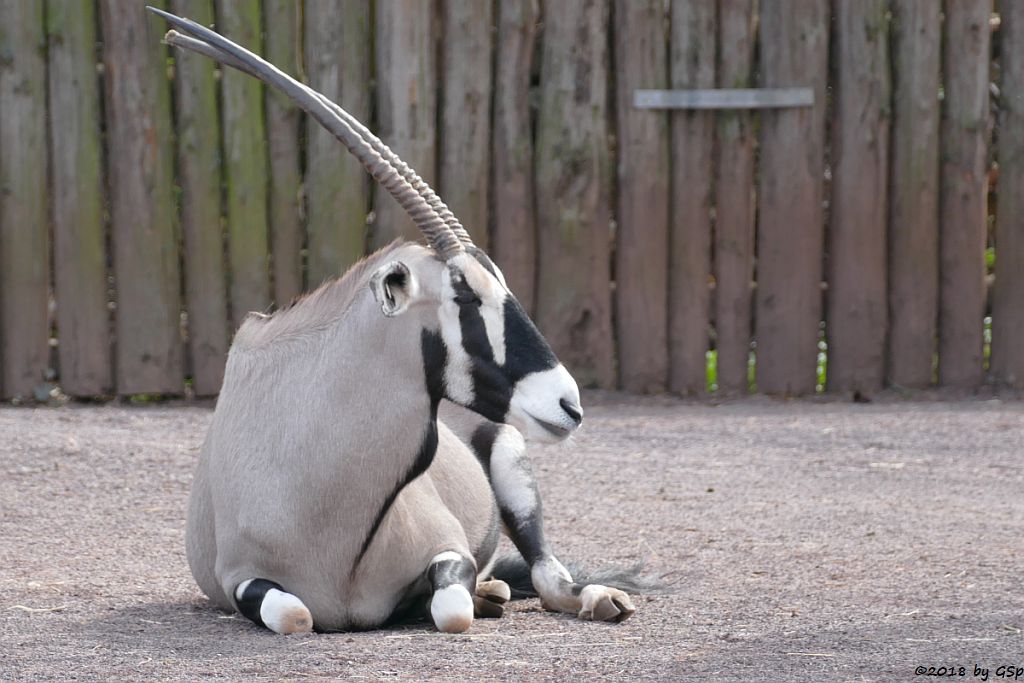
{"x": 804, "y": 541}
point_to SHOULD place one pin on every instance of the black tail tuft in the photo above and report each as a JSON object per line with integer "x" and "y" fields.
{"x": 513, "y": 570}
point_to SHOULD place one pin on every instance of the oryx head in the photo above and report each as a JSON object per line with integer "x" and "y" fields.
{"x": 495, "y": 360}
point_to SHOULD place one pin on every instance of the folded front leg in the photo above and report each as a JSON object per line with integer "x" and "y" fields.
{"x": 502, "y": 450}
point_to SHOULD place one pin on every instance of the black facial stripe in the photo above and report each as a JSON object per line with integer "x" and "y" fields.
{"x": 474, "y": 332}
{"x": 252, "y": 599}
{"x": 435, "y": 357}
{"x": 526, "y": 350}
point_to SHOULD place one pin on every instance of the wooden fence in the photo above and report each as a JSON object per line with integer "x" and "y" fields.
{"x": 148, "y": 200}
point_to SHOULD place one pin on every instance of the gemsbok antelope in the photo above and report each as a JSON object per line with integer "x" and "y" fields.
{"x": 329, "y": 495}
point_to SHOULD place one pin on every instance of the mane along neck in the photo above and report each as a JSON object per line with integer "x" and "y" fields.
{"x": 311, "y": 313}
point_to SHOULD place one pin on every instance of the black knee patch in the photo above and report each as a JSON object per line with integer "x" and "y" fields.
{"x": 450, "y": 572}
{"x": 252, "y": 599}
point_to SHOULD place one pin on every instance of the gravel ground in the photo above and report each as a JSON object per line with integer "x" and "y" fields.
{"x": 804, "y": 541}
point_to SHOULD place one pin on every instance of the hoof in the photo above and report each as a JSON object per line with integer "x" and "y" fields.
{"x": 485, "y": 609}
{"x": 285, "y": 614}
{"x": 495, "y": 591}
{"x": 601, "y": 603}
{"x": 451, "y": 609}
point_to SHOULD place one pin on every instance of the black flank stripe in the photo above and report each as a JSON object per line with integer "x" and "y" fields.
{"x": 434, "y": 360}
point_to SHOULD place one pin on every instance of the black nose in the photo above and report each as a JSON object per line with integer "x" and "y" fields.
{"x": 572, "y": 410}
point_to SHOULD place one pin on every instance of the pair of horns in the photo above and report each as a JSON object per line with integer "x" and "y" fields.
{"x": 435, "y": 220}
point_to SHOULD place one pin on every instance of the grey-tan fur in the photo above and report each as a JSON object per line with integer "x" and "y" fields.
{"x": 329, "y": 495}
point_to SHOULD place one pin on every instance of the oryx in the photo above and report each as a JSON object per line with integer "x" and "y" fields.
{"x": 329, "y": 494}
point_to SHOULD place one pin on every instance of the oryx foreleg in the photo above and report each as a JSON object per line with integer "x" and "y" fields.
{"x": 453, "y": 583}
{"x": 502, "y": 450}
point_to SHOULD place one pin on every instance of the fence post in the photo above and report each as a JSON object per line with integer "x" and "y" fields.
{"x": 641, "y": 251}
{"x": 199, "y": 171}
{"x": 857, "y": 314}
{"x": 1007, "y": 308}
{"x": 964, "y": 180}
{"x": 514, "y": 235}
{"x": 692, "y": 65}
{"x": 79, "y": 249}
{"x": 734, "y": 201}
{"x": 245, "y": 163}
{"x": 149, "y": 356}
{"x": 794, "y": 52}
{"x": 24, "y": 245}
{"x": 573, "y": 190}
{"x": 406, "y": 103}
{"x": 338, "y": 65}
{"x": 914, "y": 194}
{"x": 281, "y": 19}
{"x": 465, "y": 135}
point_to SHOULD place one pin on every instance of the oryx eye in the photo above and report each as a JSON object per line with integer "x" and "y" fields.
{"x": 467, "y": 297}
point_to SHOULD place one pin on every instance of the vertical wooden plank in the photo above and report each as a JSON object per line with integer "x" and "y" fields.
{"x": 513, "y": 241}
{"x": 964, "y": 187}
{"x": 514, "y": 238}
{"x": 199, "y": 170}
{"x": 573, "y": 190}
{"x": 284, "y": 45}
{"x": 338, "y": 65}
{"x": 24, "y": 243}
{"x": 514, "y": 232}
{"x": 245, "y": 163}
{"x": 79, "y": 251}
{"x": 641, "y": 252}
{"x": 794, "y": 53}
{"x": 465, "y": 134}
{"x": 149, "y": 354}
{"x": 857, "y": 313}
{"x": 406, "y": 102}
{"x": 692, "y": 63}
{"x": 734, "y": 200}
{"x": 914, "y": 194}
{"x": 1007, "y": 312}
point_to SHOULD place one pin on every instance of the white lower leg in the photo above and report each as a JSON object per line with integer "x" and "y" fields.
{"x": 279, "y": 611}
{"x": 451, "y": 606}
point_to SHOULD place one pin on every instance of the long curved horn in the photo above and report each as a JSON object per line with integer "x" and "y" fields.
{"x": 332, "y": 117}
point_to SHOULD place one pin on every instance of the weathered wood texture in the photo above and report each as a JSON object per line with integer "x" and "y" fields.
{"x": 734, "y": 200}
{"x": 514, "y": 232}
{"x": 245, "y": 165}
{"x": 964, "y": 185}
{"x": 199, "y": 174}
{"x": 573, "y": 190}
{"x": 464, "y": 138}
{"x": 914, "y": 194}
{"x": 692, "y": 65}
{"x": 282, "y": 23}
{"x": 79, "y": 240}
{"x": 1007, "y": 361}
{"x": 406, "y": 102}
{"x": 149, "y": 351}
{"x": 857, "y": 306}
{"x": 794, "y": 52}
{"x": 24, "y": 243}
{"x": 641, "y": 249}
{"x": 337, "y": 199}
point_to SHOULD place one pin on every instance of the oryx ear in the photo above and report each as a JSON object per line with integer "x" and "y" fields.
{"x": 394, "y": 287}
